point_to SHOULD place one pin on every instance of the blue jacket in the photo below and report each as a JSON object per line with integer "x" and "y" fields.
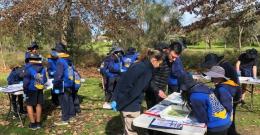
{"x": 177, "y": 72}
{"x": 61, "y": 76}
{"x": 51, "y": 67}
{"x": 129, "y": 59}
{"x": 114, "y": 67}
{"x": 129, "y": 91}
{"x": 30, "y": 76}
{"x": 208, "y": 109}
{"x": 227, "y": 93}
{"x": 16, "y": 75}
{"x": 104, "y": 66}
{"x": 230, "y": 71}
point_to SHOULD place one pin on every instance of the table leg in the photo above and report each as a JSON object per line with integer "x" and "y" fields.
{"x": 20, "y": 118}
{"x": 10, "y": 106}
{"x": 252, "y": 97}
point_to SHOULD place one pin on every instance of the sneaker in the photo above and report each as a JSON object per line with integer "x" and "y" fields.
{"x": 61, "y": 123}
{"x": 32, "y": 126}
{"x": 72, "y": 120}
{"x": 107, "y": 106}
{"x": 38, "y": 125}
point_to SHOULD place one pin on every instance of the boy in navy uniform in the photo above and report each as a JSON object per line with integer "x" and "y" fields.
{"x": 16, "y": 77}
{"x": 63, "y": 85}
{"x": 246, "y": 66}
{"x": 227, "y": 91}
{"x": 52, "y": 60}
{"x": 33, "y": 84}
{"x": 31, "y": 49}
{"x": 205, "y": 106}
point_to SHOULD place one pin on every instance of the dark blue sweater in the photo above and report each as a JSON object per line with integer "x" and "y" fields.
{"x": 208, "y": 109}
{"x": 130, "y": 88}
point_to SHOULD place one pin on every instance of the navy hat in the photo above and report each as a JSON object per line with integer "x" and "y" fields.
{"x": 60, "y": 48}
{"x": 251, "y": 53}
{"x": 32, "y": 46}
{"x": 187, "y": 82}
{"x": 117, "y": 50}
{"x": 211, "y": 59}
{"x": 131, "y": 50}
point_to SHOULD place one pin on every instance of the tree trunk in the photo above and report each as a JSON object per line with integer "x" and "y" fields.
{"x": 240, "y": 29}
{"x": 65, "y": 21}
{"x": 2, "y": 56}
{"x": 256, "y": 39}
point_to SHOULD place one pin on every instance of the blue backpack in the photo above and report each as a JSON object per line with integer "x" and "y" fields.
{"x": 74, "y": 78}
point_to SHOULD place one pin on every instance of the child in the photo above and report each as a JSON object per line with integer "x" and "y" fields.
{"x": 32, "y": 49}
{"x": 205, "y": 106}
{"x": 177, "y": 69}
{"x": 247, "y": 66}
{"x": 52, "y": 60}
{"x": 129, "y": 91}
{"x": 63, "y": 85}
{"x": 212, "y": 59}
{"x": 33, "y": 84}
{"x": 113, "y": 72}
{"x": 227, "y": 91}
{"x": 16, "y": 77}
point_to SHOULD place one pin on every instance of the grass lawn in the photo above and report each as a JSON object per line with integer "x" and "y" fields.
{"x": 94, "y": 120}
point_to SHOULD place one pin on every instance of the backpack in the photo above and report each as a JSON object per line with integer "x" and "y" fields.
{"x": 74, "y": 78}
{"x": 38, "y": 80}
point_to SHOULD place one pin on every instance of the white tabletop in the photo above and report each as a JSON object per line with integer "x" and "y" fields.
{"x": 144, "y": 120}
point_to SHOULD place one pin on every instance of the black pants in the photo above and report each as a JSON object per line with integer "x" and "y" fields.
{"x": 232, "y": 128}
{"x": 217, "y": 133}
{"x": 76, "y": 102}
{"x": 111, "y": 84}
{"x": 20, "y": 103}
{"x": 55, "y": 99}
{"x": 173, "y": 88}
{"x": 67, "y": 105}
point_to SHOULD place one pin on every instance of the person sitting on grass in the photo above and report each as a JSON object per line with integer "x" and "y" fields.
{"x": 129, "y": 91}
{"x": 246, "y": 66}
{"x": 33, "y": 85}
{"x": 228, "y": 93}
{"x": 63, "y": 85}
{"x": 205, "y": 106}
{"x": 16, "y": 77}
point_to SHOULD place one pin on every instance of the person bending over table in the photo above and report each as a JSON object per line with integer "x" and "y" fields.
{"x": 205, "y": 106}
{"x": 246, "y": 66}
{"x": 129, "y": 91}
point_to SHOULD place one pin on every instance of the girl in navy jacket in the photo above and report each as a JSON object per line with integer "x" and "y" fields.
{"x": 205, "y": 106}
{"x": 129, "y": 91}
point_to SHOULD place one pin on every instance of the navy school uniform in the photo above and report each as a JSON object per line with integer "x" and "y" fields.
{"x": 34, "y": 73}
{"x": 229, "y": 94}
{"x": 177, "y": 70}
{"x": 207, "y": 109}
{"x": 113, "y": 72}
{"x": 129, "y": 91}
{"x": 246, "y": 65}
{"x": 63, "y": 87}
{"x": 51, "y": 71}
{"x": 15, "y": 77}
{"x": 129, "y": 59}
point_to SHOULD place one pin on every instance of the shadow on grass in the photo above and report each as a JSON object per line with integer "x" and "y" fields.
{"x": 114, "y": 126}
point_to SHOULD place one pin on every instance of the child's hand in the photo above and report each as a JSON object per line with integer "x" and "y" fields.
{"x": 162, "y": 95}
{"x": 25, "y": 97}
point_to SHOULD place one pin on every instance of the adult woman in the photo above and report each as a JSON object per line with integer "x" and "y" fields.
{"x": 129, "y": 91}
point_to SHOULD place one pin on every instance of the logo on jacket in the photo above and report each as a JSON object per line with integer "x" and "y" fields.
{"x": 218, "y": 110}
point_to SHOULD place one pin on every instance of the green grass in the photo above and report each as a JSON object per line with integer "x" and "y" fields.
{"x": 96, "y": 121}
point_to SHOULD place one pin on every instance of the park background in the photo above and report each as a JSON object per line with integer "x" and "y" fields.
{"x": 90, "y": 29}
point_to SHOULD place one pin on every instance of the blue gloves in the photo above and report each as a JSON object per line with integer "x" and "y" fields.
{"x": 238, "y": 73}
{"x": 113, "y": 105}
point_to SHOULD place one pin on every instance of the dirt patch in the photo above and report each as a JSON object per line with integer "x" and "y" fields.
{"x": 89, "y": 72}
